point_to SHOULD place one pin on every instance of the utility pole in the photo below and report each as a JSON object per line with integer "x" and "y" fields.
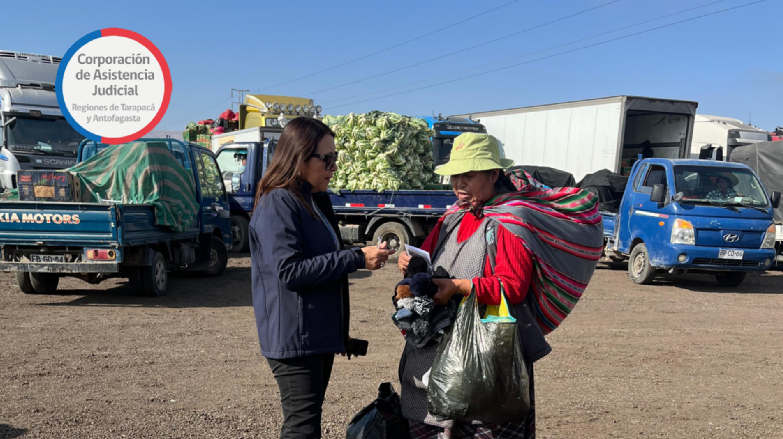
{"x": 240, "y": 94}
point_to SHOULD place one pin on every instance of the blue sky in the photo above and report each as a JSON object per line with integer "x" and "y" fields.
{"x": 730, "y": 63}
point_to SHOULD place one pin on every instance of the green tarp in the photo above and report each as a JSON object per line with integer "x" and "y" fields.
{"x": 141, "y": 173}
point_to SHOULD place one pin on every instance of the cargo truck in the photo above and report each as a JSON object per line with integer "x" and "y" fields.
{"x": 723, "y": 134}
{"x": 673, "y": 218}
{"x": 582, "y": 137}
{"x": 766, "y": 160}
{"x": 44, "y": 241}
{"x": 397, "y": 217}
{"x": 33, "y": 132}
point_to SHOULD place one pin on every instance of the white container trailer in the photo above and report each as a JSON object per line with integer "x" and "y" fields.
{"x": 586, "y": 136}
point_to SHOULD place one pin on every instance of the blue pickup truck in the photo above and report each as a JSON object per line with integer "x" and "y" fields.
{"x": 397, "y": 217}
{"x": 692, "y": 216}
{"x": 110, "y": 239}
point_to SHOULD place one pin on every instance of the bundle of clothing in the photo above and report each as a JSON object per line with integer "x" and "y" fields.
{"x": 417, "y": 317}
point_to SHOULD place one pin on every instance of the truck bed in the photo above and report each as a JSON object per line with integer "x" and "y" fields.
{"x": 406, "y": 202}
{"x": 81, "y": 224}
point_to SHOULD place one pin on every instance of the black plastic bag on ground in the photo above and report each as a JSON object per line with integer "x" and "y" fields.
{"x": 479, "y": 371}
{"x": 380, "y": 420}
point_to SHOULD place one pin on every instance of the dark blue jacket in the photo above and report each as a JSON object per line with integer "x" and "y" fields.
{"x": 300, "y": 279}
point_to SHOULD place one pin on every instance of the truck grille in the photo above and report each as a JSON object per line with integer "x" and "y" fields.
{"x": 725, "y": 262}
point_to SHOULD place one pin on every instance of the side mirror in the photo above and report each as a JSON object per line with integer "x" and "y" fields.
{"x": 679, "y": 196}
{"x": 775, "y": 199}
{"x": 658, "y": 193}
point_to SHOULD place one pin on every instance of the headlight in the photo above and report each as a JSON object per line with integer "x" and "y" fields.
{"x": 290, "y": 108}
{"x": 311, "y": 103}
{"x": 298, "y": 108}
{"x": 682, "y": 232}
{"x": 268, "y": 105}
{"x": 276, "y": 107}
{"x": 312, "y": 108}
{"x": 273, "y": 122}
{"x": 318, "y": 109}
{"x": 769, "y": 238}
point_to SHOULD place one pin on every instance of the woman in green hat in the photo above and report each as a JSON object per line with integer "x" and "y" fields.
{"x": 486, "y": 244}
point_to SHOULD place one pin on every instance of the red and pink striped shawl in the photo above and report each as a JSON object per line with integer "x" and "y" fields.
{"x": 562, "y": 228}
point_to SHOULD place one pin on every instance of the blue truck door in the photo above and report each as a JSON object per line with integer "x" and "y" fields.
{"x": 649, "y": 219}
{"x": 211, "y": 185}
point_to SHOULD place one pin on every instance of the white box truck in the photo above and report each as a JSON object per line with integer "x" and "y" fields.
{"x": 583, "y": 137}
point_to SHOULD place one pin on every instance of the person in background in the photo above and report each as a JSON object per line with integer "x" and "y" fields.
{"x": 723, "y": 189}
{"x": 647, "y": 151}
{"x": 300, "y": 273}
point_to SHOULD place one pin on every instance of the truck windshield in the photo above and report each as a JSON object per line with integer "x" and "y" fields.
{"x": 717, "y": 185}
{"x": 232, "y": 161}
{"x": 52, "y": 136}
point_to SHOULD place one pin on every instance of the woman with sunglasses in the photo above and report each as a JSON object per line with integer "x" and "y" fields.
{"x": 300, "y": 273}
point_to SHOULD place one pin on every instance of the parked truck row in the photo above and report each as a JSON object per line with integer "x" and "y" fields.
{"x": 666, "y": 219}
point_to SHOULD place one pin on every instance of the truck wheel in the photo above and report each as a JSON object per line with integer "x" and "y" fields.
{"x": 396, "y": 234}
{"x": 44, "y": 283}
{"x": 730, "y": 278}
{"x": 154, "y": 279}
{"x": 218, "y": 258}
{"x": 23, "y": 280}
{"x": 639, "y": 268}
{"x": 239, "y": 234}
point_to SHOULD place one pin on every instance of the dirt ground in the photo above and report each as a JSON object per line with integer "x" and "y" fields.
{"x": 682, "y": 358}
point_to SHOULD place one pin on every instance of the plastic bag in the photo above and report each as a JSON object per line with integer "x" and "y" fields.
{"x": 380, "y": 420}
{"x": 479, "y": 371}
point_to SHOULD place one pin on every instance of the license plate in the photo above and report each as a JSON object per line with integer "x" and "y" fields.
{"x": 45, "y": 259}
{"x": 731, "y": 254}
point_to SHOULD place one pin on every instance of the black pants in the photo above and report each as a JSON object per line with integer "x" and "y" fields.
{"x": 302, "y": 382}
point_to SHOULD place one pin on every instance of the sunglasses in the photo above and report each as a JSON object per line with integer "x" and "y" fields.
{"x": 329, "y": 159}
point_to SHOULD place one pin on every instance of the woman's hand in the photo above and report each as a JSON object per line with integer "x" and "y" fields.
{"x": 376, "y": 257}
{"x": 449, "y": 287}
{"x": 403, "y": 261}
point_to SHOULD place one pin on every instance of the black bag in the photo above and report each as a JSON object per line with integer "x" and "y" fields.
{"x": 380, "y": 420}
{"x": 479, "y": 371}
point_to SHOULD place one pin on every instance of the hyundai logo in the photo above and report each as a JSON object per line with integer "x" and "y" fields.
{"x": 731, "y": 237}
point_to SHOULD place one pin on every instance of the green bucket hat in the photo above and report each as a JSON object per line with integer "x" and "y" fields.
{"x": 474, "y": 152}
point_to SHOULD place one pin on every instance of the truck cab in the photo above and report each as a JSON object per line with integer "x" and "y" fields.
{"x": 33, "y": 132}
{"x": 446, "y": 129}
{"x": 698, "y": 216}
{"x": 242, "y": 165}
{"x": 268, "y": 111}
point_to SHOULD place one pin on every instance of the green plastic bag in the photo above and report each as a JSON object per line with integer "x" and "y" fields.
{"x": 479, "y": 371}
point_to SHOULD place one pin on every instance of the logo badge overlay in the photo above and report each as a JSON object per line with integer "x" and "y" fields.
{"x": 731, "y": 237}
{"x": 113, "y": 86}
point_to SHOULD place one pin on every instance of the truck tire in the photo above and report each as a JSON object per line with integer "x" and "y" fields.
{"x": 153, "y": 280}
{"x": 239, "y": 234}
{"x": 44, "y": 283}
{"x": 23, "y": 280}
{"x": 639, "y": 268}
{"x": 730, "y": 278}
{"x": 396, "y": 234}
{"x": 218, "y": 258}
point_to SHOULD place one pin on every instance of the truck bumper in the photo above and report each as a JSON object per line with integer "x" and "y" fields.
{"x": 94, "y": 267}
{"x": 706, "y": 259}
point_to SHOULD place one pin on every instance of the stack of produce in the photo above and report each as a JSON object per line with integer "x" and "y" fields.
{"x": 382, "y": 151}
{"x": 198, "y": 133}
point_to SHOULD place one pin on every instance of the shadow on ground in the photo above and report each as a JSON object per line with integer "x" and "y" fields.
{"x": 185, "y": 290}
{"x": 8, "y": 432}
